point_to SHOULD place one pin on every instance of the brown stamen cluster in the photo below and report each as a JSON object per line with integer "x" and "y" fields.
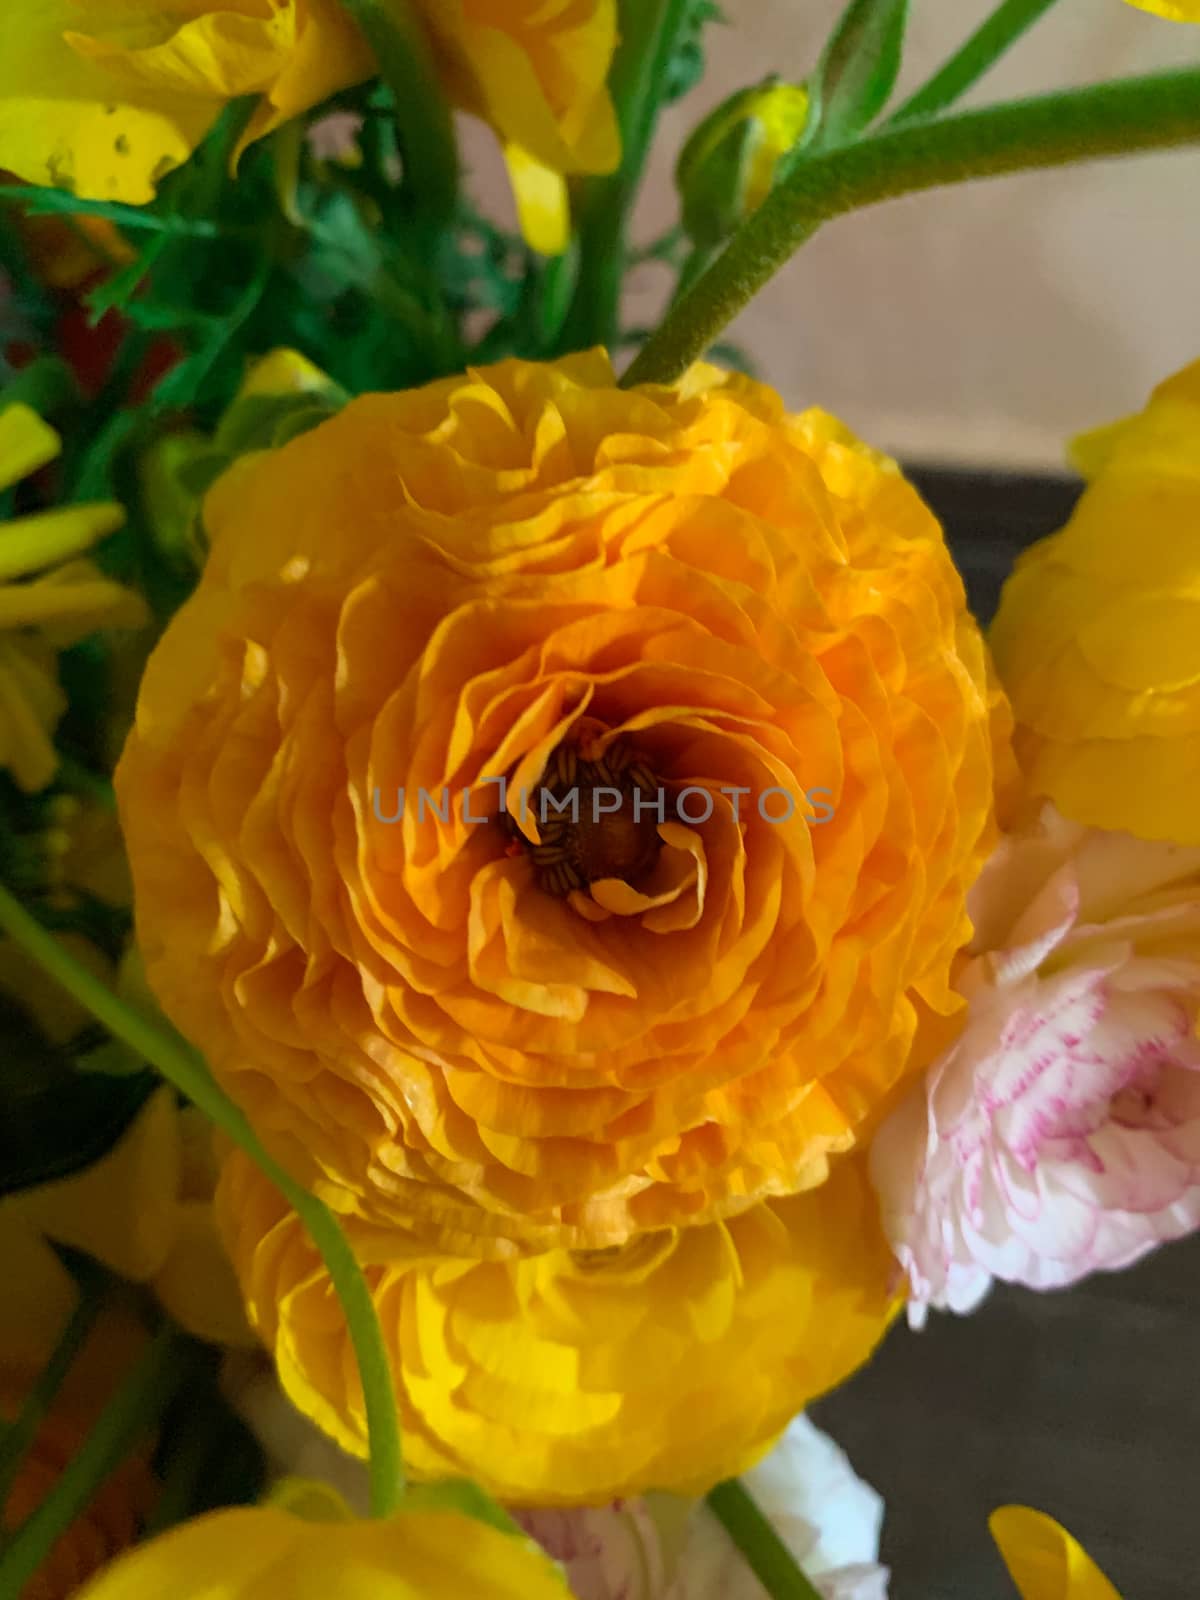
{"x": 580, "y": 844}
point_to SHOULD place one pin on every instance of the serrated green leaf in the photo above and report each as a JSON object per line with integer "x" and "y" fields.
{"x": 857, "y": 72}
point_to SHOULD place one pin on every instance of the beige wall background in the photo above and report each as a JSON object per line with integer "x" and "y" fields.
{"x": 986, "y": 323}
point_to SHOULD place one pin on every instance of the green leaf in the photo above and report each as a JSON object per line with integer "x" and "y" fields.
{"x": 47, "y": 384}
{"x": 685, "y": 68}
{"x": 857, "y": 72}
{"x": 55, "y": 1121}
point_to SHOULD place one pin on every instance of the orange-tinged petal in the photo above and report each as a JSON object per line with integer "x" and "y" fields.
{"x": 484, "y": 1022}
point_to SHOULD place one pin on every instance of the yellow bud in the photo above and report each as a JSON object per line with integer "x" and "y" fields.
{"x": 728, "y": 165}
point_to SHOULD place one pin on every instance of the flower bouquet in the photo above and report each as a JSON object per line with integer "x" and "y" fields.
{"x": 535, "y": 926}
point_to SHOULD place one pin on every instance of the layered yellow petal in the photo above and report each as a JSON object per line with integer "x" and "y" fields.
{"x": 574, "y": 1377}
{"x": 1098, "y": 633}
{"x": 482, "y": 579}
{"x": 1044, "y": 1561}
{"x": 268, "y": 1554}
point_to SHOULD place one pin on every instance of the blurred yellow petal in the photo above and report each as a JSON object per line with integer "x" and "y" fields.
{"x": 106, "y": 99}
{"x": 74, "y": 600}
{"x": 266, "y": 1554}
{"x": 195, "y": 1283}
{"x": 123, "y": 1210}
{"x": 542, "y": 204}
{"x": 39, "y": 1294}
{"x": 1176, "y": 10}
{"x": 31, "y": 703}
{"x": 1044, "y": 1561}
{"x": 26, "y": 442}
{"x": 66, "y": 120}
{"x": 283, "y": 372}
{"x": 1097, "y": 638}
{"x": 220, "y": 55}
{"x": 30, "y": 543}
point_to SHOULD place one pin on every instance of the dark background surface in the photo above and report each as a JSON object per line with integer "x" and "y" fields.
{"x": 1084, "y": 1403}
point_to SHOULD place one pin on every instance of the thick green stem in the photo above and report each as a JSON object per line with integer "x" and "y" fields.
{"x": 965, "y": 68}
{"x": 766, "y": 1554}
{"x": 649, "y": 33}
{"x": 133, "y": 1411}
{"x": 426, "y": 128}
{"x": 1112, "y": 119}
{"x": 188, "y": 1072}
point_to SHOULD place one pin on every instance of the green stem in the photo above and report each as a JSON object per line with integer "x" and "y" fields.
{"x": 23, "y": 1430}
{"x": 423, "y": 120}
{"x": 132, "y": 1411}
{"x": 965, "y": 68}
{"x": 1111, "y": 119}
{"x": 187, "y": 1071}
{"x": 766, "y": 1554}
{"x": 649, "y": 32}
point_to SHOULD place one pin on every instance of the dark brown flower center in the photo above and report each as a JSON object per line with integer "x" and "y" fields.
{"x": 598, "y": 818}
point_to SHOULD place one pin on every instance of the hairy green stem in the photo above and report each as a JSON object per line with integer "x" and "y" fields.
{"x": 964, "y": 69}
{"x": 649, "y": 32}
{"x": 187, "y": 1071}
{"x": 766, "y": 1554}
{"x": 132, "y": 1411}
{"x": 1112, "y": 119}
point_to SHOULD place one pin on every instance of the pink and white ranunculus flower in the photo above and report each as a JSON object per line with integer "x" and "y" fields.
{"x": 1060, "y": 1134}
{"x": 663, "y": 1548}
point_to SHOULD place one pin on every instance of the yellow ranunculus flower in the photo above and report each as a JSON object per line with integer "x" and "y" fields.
{"x": 1044, "y": 1561}
{"x": 1097, "y": 638}
{"x": 104, "y": 98}
{"x": 262, "y": 1553}
{"x": 527, "y": 573}
{"x": 575, "y": 1377}
{"x": 48, "y": 598}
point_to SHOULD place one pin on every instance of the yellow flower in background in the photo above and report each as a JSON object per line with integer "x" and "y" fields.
{"x": 105, "y": 98}
{"x": 48, "y": 599}
{"x": 146, "y": 1211}
{"x": 536, "y": 71}
{"x": 446, "y": 1023}
{"x": 263, "y": 1553}
{"x": 575, "y": 1377}
{"x": 1176, "y": 10}
{"x": 1097, "y": 638}
{"x": 1044, "y": 1561}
